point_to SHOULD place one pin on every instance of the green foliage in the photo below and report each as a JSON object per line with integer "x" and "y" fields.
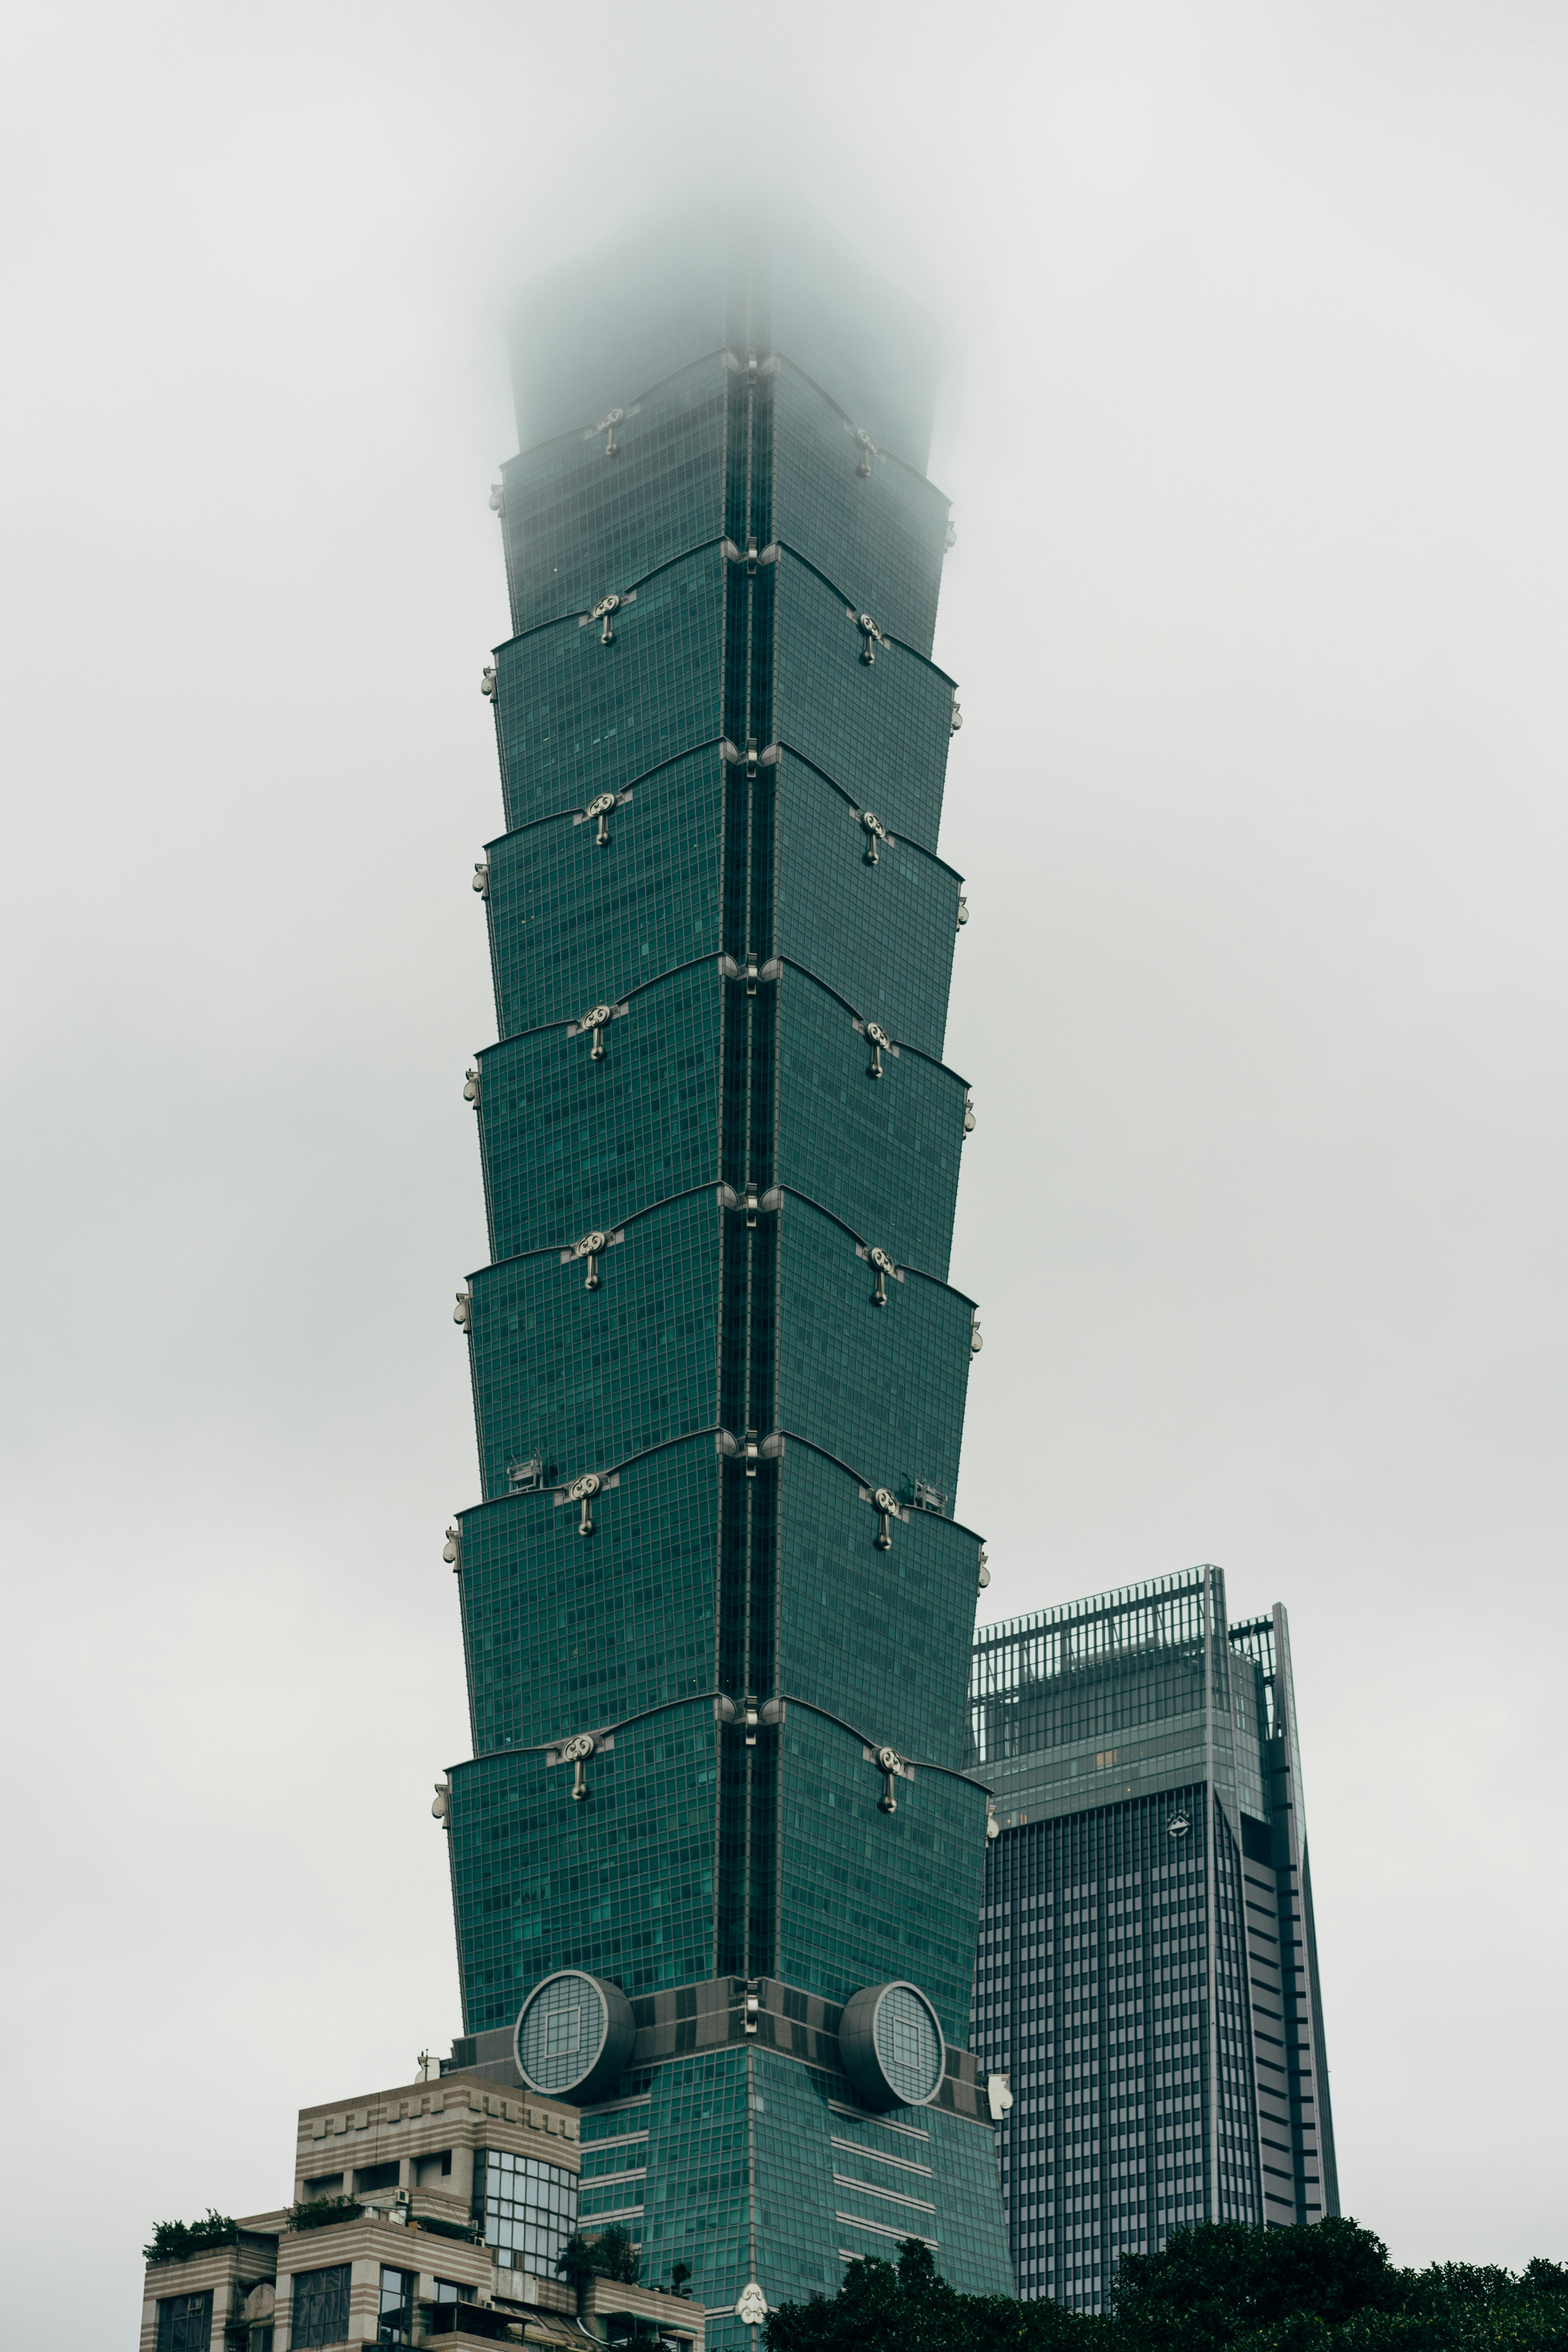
{"x": 441, "y": 2228}
{"x": 320, "y": 2212}
{"x": 616, "y": 2257}
{"x": 176, "y": 2242}
{"x": 1220, "y": 2287}
{"x": 913, "y": 2309}
{"x": 1221, "y": 2282}
{"x": 680, "y": 2277}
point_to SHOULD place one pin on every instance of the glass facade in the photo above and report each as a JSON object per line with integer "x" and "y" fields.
{"x": 395, "y": 2320}
{"x": 186, "y": 2323}
{"x": 719, "y": 1368}
{"x": 527, "y": 2210}
{"x": 1146, "y": 1970}
{"x": 320, "y": 2306}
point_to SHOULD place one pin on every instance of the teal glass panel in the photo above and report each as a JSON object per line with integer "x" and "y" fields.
{"x": 576, "y": 717}
{"x": 867, "y": 1895}
{"x": 569, "y": 915}
{"x": 894, "y": 1614}
{"x": 578, "y": 521}
{"x": 881, "y": 1153}
{"x": 881, "y": 935}
{"x": 868, "y": 520}
{"x": 566, "y": 1632}
{"x": 570, "y": 1144}
{"x": 859, "y": 1378}
{"x": 620, "y": 1886}
{"x": 573, "y": 1379}
{"x": 881, "y": 729}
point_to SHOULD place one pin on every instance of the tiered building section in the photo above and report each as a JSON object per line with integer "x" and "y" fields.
{"x": 717, "y": 1609}
{"x": 1147, "y": 1969}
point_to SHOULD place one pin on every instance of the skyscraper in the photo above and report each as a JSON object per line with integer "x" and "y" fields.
{"x": 715, "y": 1860}
{"x": 1147, "y": 1969}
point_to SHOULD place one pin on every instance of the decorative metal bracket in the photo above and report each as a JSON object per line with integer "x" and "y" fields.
{"x": 993, "y": 1826}
{"x": 753, "y": 1449}
{"x": 606, "y": 425}
{"x": 868, "y": 451}
{"x": 441, "y": 1803}
{"x": 892, "y": 1767}
{"x": 876, "y": 831}
{"x": 488, "y": 681}
{"x": 877, "y": 1039}
{"x": 968, "y": 1112}
{"x": 605, "y": 610}
{"x": 750, "y": 555}
{"x": 871, "y": 634}
{"x": 976, "y": 1341}
{"x": 750, "y": 757}
{"x": 597, "y": 1018}
{"x": 498, "y": 500}
{"x": 593, "y": 1247}
{"x": 482, "y": 876}
{"x": 471, "y": 1086}
{"x": 887, "y": 1508}
{"x": 950, "y": 536}
{"x": 962, "y": 914}
{"x": 983, "y": 1572}
{"x": 583, "y": 1490}
{"x": 599, "y": 808}
{"x": 882, "y": 1266}
{"x": 577, "y": 1752}
{"x": 956, "y": 722}
{"x": 463, "y": 1313}
{"x": 452, "y": 1549}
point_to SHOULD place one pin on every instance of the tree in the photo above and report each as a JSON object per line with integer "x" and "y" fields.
{"x": 680, "y": 2277}
{"x": 176, "y": 2242}
{"x": 616, "y": 2257}
{"x": 1219, "y": 2282}
{"x": 913, "y": 2309}
{"x": 576, "y": 2264}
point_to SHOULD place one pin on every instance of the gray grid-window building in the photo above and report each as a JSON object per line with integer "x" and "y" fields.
{"x": 1146, "y": 1970}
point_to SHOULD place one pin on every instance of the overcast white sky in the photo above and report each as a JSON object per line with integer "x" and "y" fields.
{"x": 1256, "y": 437}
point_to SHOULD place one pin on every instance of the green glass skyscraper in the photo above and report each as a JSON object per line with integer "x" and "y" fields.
{"x": 716, "y": 1862}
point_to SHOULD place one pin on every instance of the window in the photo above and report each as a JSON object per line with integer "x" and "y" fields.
{"x": 374, "y": 2176}
{"x": 320, "y": 2308}
{"x": 396, "y": 2317}
{"x": 528, "y": 2209}
{"x": 454, "y": 2291}
{"x": 326, "y": 2184}
{"x": 186, "y": 2323}
{"x": 564, "y": 2032}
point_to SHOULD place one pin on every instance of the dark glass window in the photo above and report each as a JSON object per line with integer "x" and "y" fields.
{"x": 186, "y": 2323}
{"x": 320, "y": 2308}
{"x": 374, "y": 2176}
{"x": 396, "y": 2322}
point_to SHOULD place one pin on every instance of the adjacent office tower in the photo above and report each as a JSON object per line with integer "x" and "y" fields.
{"x": 716, "y": 1863}
{"x": 1147, "y": 1970}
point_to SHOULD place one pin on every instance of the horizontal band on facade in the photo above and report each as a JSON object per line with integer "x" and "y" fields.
{"x": 771, "y": 756}
{"x": 767, "y": 1204}
{"x": 877, "y": 2229}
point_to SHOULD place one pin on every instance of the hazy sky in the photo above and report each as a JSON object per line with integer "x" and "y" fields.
{"x": 1256, "y": 437}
